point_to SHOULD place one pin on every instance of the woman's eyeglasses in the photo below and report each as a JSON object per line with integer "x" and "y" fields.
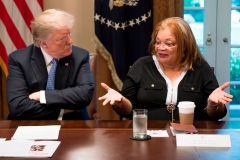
{"x": 167, "y": 45}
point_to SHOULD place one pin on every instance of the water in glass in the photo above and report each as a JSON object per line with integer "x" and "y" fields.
{"x": 140, "y": 126}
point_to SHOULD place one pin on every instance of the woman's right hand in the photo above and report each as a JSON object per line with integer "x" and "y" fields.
{"x": 111, "y": 97}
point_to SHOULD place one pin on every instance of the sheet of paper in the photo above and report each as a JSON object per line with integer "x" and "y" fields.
{"x": 50, "y": 132}
{"x": 2, "y": 139}
{"x": 28, "y": 148}
{"x": 203, "y": 140}
{"x": 15, "y": 148}
{"x": 43, "y": 148}
{"x": 157, "y": 133}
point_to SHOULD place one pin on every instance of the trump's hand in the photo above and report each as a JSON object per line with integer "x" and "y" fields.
{"x": 35, "y": 96}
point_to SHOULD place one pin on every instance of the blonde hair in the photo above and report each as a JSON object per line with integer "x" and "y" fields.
{"x": 187, "y": 48}
{"x": 48, "y": 22}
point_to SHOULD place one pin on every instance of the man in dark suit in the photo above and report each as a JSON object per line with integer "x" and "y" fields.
{"x": 29, "y": 69}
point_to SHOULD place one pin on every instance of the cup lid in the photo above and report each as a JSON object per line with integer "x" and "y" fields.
{"x": 186, "y": 104}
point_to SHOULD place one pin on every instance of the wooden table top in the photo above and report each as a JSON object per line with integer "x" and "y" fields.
{"x": 109, "y": 140}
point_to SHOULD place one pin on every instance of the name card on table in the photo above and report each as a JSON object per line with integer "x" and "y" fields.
{"x": 157, "y": 133}
{"x": 203, "y": 140}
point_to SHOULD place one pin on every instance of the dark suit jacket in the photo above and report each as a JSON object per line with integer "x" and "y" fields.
{"x": 28, "y": 73}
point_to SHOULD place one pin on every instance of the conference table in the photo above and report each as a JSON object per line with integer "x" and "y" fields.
{"x": 109, "y": 140}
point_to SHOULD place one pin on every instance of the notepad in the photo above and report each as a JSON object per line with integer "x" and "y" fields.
{"x": 177, "y": 128}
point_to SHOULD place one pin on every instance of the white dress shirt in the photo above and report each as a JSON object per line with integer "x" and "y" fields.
{"x": 48, "y": 63}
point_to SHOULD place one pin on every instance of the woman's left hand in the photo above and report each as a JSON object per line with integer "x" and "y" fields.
{"x": 219, "y": 96}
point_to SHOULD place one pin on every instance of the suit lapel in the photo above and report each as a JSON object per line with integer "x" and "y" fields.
{"x": 62, "y": 72}
{"x": 39, "y": 67}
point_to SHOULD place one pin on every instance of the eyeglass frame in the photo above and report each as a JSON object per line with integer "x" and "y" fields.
{"x": 165, "y": 45}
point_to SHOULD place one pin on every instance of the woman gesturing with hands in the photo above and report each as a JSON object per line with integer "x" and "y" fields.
{"x": 175, "y": 71}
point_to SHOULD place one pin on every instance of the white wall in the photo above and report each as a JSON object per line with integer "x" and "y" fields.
{"x": 83, "y": 10}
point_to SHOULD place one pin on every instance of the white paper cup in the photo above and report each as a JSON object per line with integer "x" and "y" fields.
{"x": 140, "y": 123}
{"x": 186, "y": 112}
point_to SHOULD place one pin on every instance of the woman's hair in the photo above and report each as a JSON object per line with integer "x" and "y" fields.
{"x": 48, "y": 22}
{"x": 187, "y": 48}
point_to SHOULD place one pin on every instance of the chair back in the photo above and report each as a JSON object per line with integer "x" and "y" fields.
{"x": 212, "y": 69}
{"x": 92, "y": 107}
